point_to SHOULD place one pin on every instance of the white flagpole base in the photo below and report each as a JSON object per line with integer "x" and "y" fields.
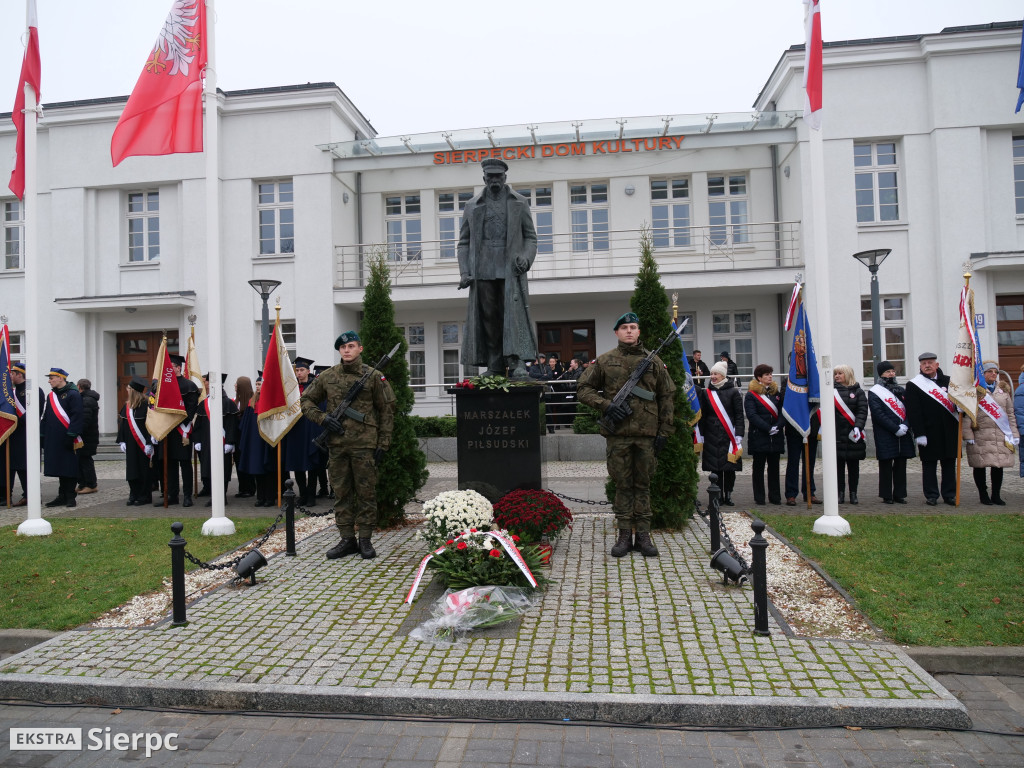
{"x": 832, "y": 525}
{"x": 218, "y": 526}
{"x": 35, "y": 526}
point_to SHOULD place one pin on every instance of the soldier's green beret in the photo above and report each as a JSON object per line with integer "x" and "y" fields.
{"x": 629, "y": 317}
{"x": 345, "y": 338}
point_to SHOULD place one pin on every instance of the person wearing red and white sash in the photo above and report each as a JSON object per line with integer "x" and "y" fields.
{"x": 851, "y": 417}
{"x": 135, "y": 443}
{"x": 992, "y": 442}
{"x": 61, "y": 433}
{"x": 18, "y": 467}
{"x": 766, "y": 442}
{"x": 934, "y": 420}
{"x": 722, "y": 406}
{"x": 178, "y": 442}
{"x": 894, "y": 442}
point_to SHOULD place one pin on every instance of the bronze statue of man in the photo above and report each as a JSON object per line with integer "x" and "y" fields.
{"x": 497, "y": 246}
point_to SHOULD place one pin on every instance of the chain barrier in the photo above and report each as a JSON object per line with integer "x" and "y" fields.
{"x": 221, "y": 566}
{"x": 591, "y": 502}
{"x": 729, "y": 546}
{"x": 310, "y": 513}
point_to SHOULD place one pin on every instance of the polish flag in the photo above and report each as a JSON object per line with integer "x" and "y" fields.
{"x": 30, "y": 75}
{"x": 812, "y": 63}
{"x": 164, "y": 114}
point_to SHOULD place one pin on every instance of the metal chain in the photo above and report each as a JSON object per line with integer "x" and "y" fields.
{"x": 221, "y": 566}
{"x": 579, "y": 501}
{"x": 310, "y": 513}
{"x": 729, "y": 546}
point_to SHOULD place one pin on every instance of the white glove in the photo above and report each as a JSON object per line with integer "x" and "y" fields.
{"x": 199, "y": 447}
{"x": 969, "y": 442}
{"x": 154, "y": 441}
{"x": 739, "y": 442}
{"x": 922, "y": 441}
{"x": 148, "y": 450}
{"x": 229, "y": 448}
{"x": 1016, "y": 441}
{"x": 902, "y": 430}
{"x": 124, "y": 448}
{"x": 774, "y": 430}
{"x": 854, "y": 434}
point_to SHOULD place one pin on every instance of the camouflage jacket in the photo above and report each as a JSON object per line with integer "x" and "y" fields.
{"x": 376, "y": 403}
{"x": 603, "y": 379}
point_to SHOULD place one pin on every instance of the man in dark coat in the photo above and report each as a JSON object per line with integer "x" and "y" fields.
{"x": 699, "y": 369}
{"x": 934, "y": 420}
{"x": 61, "y": 432}
{"x": 762, "y": 405}
{"x": 894, "y": 442}
{"x": 229, "y": 431}
{"x": 178, "y": 442}
{"x": 90, "y": 436}
{"x": 18, "y": 467}
{"x": 497, "y": 246}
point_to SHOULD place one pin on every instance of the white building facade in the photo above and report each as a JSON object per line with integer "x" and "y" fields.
{"x": 923, "y": 153}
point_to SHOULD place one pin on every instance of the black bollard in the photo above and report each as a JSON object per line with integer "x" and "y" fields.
{"x": 759, "y": 547}
{"x": 714, "y": 521}
{"x": 289, "y": 518}
{"x": 177, "y": 545}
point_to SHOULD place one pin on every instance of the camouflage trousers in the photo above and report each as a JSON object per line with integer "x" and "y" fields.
{"x": 354, "y": 479}
{"x": 631, "y": 464}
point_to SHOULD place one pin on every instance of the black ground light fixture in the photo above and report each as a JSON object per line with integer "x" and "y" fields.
{"x": 264, "y": 288}
{"x": 873, "y": 260}
{"x": 248, "y": 565}
{"x": 729, "y": 567}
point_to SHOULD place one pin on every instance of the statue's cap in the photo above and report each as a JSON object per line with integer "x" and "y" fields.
{"x": 494, "y": 165}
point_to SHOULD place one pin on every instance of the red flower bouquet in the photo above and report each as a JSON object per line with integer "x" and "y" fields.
{"x": 531, "y": 514}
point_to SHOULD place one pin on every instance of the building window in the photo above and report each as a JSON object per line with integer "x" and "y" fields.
{"x": 143, "y": 227}
{"x": 875, "y": 182}
{"x": 1018, "y": 173}
{"x": 405, "y": 232}
{"x": 450, "y": 206}
{"x": 416, "y": 356}
{"x": 14, "y": 234}
{"x": 451, "y": 338}
{"x": 17, "y": 339}
{"x": 276, "y": 212}
{"x": 894, "y": 335}
{"x": 287, "y": 333}
{"x": 540, "y": 206}
{"x": 588, "y": 208}
{"x": 727, "y": 210}
{"x": 670, "y": 213}
{"x": 733, "y": 331}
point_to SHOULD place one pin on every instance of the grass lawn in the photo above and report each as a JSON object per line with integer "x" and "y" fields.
{"x": 943, "y": 580}
{"x": 89, "y": 565}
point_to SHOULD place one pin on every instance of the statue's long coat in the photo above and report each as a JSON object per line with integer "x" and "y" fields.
{"x": 519, "y": 337}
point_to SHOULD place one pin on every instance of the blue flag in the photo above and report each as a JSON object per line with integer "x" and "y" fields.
{"x": 8, "y": 409}
{"x": 688, "y": 387}
{"x": 1020, "y": 76}
{"x": 803, "y": 392}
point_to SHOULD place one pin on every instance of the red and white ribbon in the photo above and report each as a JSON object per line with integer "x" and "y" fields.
{"x": 767, "y": 403}
{"x": 718, "y": 408}
{"x": 890, "y": 400}
{"x": 794, "y": 302}
{"x": 843, "y": 409}
{"x": 995, "y": 412}
{"x": 63, "y": 418}
{"x": 137, "y": 436}
{"x": 934, "y": 391}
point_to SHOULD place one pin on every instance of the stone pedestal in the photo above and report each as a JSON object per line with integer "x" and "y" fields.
{"x": 499, "y": 439}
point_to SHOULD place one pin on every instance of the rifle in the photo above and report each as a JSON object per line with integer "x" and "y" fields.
{"x": 345, "y": 408}
{"x": 634, "y": 379}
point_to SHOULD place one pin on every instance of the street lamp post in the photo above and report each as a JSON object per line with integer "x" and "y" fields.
{"x": 264, "y": 288}
{"x": 873, "y": 260}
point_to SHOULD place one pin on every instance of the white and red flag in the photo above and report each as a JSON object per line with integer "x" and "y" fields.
{"x": 812, "y": 63}
{"x": 167, "y": 408}
{"x": 164, "y": 114}
{"x": 965, "y": 372}
{"x": 278, "y": 408}
{"x": 193, "y": 369}
{"x": 31, "y": 72}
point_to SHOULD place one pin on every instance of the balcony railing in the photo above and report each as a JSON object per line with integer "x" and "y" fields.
{"x": 710, "y": 248}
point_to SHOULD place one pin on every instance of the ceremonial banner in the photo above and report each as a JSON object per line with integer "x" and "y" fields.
{"x": 167, "y": 408}
{"x": 164, "y": 114}
{"x": 8, "y": 402}
{"x": 192, "y": 369}
{"x": 278, "y": 408}
{"x": 688, "y": 387}
{"x": 1020, "y": 76}
{"x": 31, "y": 74}
{"x": 812, "y": 64}
{"x": 965, "y": 373}
{"x": 802, "y": 387}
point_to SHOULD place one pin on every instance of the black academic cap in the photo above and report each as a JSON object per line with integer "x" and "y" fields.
{"x": 303, "y": 362}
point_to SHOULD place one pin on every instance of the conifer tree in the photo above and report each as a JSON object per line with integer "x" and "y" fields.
{"x": 403, "y": 470}
{"x": 674, "y": 485}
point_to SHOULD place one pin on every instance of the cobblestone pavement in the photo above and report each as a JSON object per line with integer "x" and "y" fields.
{"x": 254, "y": 740}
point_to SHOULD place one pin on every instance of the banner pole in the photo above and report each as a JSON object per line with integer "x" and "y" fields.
{"x": 807, "y": 470}
{"x": 165, "y": 471}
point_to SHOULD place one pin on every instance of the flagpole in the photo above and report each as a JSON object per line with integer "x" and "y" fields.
{"x": 960, "y": 421}
{"x": 218, "y": 523}
{"x": 34, "y": 524}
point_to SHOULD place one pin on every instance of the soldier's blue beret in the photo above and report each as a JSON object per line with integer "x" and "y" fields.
{"x": 629, "y": 317}
{"x": 55, "y": 371}
{"x": 345, "y": 338}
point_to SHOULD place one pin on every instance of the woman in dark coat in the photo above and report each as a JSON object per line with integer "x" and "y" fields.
{"x": 894, "y": 442}
{"x": 718, "y": 454}
{"x": 135, "y": 444}
{"x": 766, "y": 442}
{"x": 851, "y": 417}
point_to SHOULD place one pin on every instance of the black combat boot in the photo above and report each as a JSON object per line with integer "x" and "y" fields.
{"x": 187, "y": 502}
{"x": 624, "y": 543}
{"x": 366, "y": 550}
{"x": 347, "y": 546}
{"x": 645, "y": 545}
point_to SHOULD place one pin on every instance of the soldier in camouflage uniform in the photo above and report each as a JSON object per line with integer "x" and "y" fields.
{"x": 644, "y": 424}
{"x": 355, "y": 453}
